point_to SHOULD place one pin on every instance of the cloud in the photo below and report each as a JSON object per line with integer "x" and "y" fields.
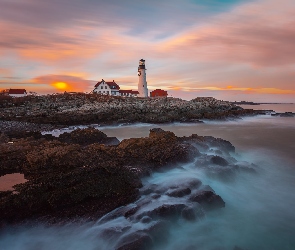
{"x": 259, "y": 33}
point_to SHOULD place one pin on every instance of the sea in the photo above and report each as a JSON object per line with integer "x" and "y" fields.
{"x": 259, "y": 212}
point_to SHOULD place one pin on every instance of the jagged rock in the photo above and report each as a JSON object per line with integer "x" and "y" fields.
{"x": 146, "y": 219}
{"x": 65, "y": 109}
{"x": 219, "y": 160}
{"x": 83, "y": 136}
{"x": 180, "y": 192}
{"x": 207, "y": 199}
{"x": 192, "y": 213}
{"x": 71, "y": 178}
{"x": 188, "y": 213}
{"x": 165, "y": 211}
{"x": 159, "y": 231}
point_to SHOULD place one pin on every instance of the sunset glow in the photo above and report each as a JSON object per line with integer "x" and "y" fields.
{"x": 232, "y": 50}
{"x": 60, "y": 85}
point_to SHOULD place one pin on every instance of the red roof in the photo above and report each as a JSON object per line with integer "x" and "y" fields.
{"x": 112, "y": 85}
{"x": 129, "y": 91}
{"x": 17, "y": 91}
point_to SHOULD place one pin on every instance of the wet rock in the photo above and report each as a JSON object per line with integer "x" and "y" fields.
{"x": 121, "y": 211}
{"x": 188, "y": 213}
{"x": 193, "y": 183}
{"x": 207, "y": 199}
{"x": 245, "y": 167}
{"x": 144, "y": 201}
{"x": 180, "y": 184}
{"x": 287, "y": 114}
{"x": 193, "y": 213}
{"x": 219, "y": 143}
{"x": 84, "y": 136}
{"x": 73, "y": 178}
{"x": 217, "y": 160}
{"x": 159, "y": 231}
{"x": 148, "y": 189}
{"x": 156, "y": 196}
{"x": 135, "y": 241}
{"x": 180, "y": 192}
{"x": 131, "y": 211}
{"x": 165, "y": 211}
{"x": 206, "y": 188}
{"x": 146, "y": 219}
{"x": 159, "y": 149}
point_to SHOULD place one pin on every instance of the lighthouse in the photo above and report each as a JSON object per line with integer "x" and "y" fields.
{"x": 142, "y": 84}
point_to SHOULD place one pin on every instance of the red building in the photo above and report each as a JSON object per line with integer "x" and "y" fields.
{"x": 158, "y": 93}
{"x": 15, "y": 92}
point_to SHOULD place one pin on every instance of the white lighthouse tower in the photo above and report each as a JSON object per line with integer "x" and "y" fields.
{"x": 142, "y": 84}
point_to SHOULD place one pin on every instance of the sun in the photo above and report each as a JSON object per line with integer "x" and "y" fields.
{"x": 60, "y": 85}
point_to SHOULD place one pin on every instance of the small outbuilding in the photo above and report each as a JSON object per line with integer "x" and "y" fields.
{"x": 129, "y": 93}
{"x": 158, "y": 93}
{"x": 15, "y": 92}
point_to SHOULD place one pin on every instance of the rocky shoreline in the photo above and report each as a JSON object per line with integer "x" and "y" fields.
{"x": 84, "y": 175}
{"x": 81, "y": 109}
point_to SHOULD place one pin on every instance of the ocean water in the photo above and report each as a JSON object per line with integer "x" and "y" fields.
{"x": 9, "y": 180}
{"x": 283, "y": 107}
{"x": 259, "y": 211}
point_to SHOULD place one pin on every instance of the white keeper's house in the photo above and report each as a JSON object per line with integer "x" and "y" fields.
{"x": 112, "y": 88}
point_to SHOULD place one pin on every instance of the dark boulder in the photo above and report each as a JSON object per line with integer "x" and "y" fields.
{"x": 165, "y": 211}
{"x": 159, "y": 231}
{"x": 188, "y": 214}
{"x": 83, "y": 136}
{"x": 208, "y": 199}
{"x": 146, "y": 219}
{"x": 180, "y": 192}
{"x": 193, "y": 213}
{"x": 217, "y": 160}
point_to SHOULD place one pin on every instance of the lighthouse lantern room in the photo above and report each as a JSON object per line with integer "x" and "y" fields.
{"x": 142, "y": 84}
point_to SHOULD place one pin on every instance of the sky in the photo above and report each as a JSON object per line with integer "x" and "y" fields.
{"x": 229, "y": 49}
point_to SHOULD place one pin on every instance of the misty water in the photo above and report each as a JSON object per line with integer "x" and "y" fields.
{"x": 259, "y": 208}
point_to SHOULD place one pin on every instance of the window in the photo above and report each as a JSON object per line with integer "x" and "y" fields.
{"x": 101, "y": 87}
{"x": 106, "y": 87}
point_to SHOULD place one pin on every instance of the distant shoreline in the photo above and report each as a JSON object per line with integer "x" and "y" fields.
{"x": 257, "y": 103}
